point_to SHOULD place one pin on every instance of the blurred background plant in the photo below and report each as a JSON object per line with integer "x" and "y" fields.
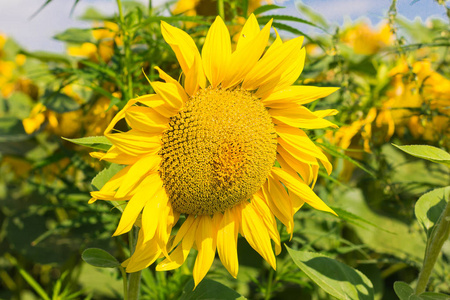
{"x": 395, "y": 88}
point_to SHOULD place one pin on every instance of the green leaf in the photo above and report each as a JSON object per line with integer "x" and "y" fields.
{"x": 95, "y": 142}
{"x": 59, "y": 102}
{"x": 11, "y": 129}
{"x": 266, "y": 18}
{"x": 390, "y": 242}
{"x": 208, "y": 289}
{"x": 427, "y": 152}
{"x": 430, "y": 206}
{"x": 48, "y": 56}
{"x": 334, "y": 277}
{"x": 76, "y": 35}
{"x": 403, "y": 290}
{"x": 332, "y": 150}
{"x": 106, "y": 174}
{"x": 434, "y": 296}
{"x": 282, "y": 26}
{"x": 355, "y": 219}
{"x": 99, "y": 258}
{"x": 264, "y": 8}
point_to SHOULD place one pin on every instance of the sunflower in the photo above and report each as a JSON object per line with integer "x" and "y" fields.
{"x": 204, "y": 154}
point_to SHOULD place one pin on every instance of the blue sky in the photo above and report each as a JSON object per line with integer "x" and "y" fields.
{"x": 36, "y": 33}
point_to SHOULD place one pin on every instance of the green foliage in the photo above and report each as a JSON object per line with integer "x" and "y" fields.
{"x": 76, "y": 35}
{"x": 429, "y": 207}
{"x": 99, "y": 258}
{"x": 94, "y": 142}
{"x": 427, "y": 152}
{"x": 334, "y": 277}
{"x": 405, "y": 292}
{"x": 208, "y": 289}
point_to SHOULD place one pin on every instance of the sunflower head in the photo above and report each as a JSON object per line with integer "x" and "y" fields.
{"x": 217, "y": 151}
{"x": 210, "y": 148}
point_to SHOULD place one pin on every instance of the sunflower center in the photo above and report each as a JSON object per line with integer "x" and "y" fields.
{"x": 217, "y": 152}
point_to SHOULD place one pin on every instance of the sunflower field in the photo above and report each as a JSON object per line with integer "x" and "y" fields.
{"x": 214, "y": 149}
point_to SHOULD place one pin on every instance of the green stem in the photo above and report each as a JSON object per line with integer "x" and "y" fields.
{"x": 150, "y": 8}
{"x": 441, "y": 234}
{"x": 134, "y": 285}
{"x": 126, "y": 46}
{"x": 220, "y": 9}
{"x": 269, "y": 285}
{"x": 125, "y": 283}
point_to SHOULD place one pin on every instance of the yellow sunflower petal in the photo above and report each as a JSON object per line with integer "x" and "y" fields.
{"x": 179, "y": 255}
{"x": 274, "y": 209}
{"x": 300, "y": 141}
{"x": 272, "y": 65}
{"x": 248, "y": 33}
{"x": 255, "y": 232}
{"x": 281, "y": 198}
{"x": 120, "y": 115}
{"x": 137, "y": 172}
{"x": 182, "y": 44}
{"x": 227, "y": 242}
{"x": 137, "y": 203}
{"x": 116, "y": 156}
{"x": 152, "y": 212}
{"x": 168, "y": 79}
{"x": 325, "y": 113}
{"x": 297, "y": 186}
{"x": 151, "y": 100}
{"x": 166, "y": 221}
{"x": 299, "y": 117}
{"x": 296, "y": 95}
{"x": 146, "y": 119}
{"x": 184, "y": 229}
{"x": 136, "y": 142}
{"x": 245, "y": 58}
{"x": 277, "y": 43}
{"x": 286, "y": 79}
{"x": 205, "y": 240}
{"x": 144, "y": 255}
{"x": 268, "y": 218}
{"x": 288, "y": 162}
{"x": 216, "y": 52}
{"x": 193, "y": 77}
{"x": 108, "y": 190}
{"x": 170, "y": 93}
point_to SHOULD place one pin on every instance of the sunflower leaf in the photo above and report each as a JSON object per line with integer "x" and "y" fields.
{"x": 264, "y": 8}
{"x": 430, "y": 206}
{"x": 76, "y": 35}
{"x": 208, "y": 289}
{"x": 103, "y": 176}
{"x": 427, "y": 152}
{"x": 356, "y": 220}
{"x": 289, "y": 18}
{"x": 95, "y": 142}
{"x": 334, "y": 277}
{"x": 403, "y": 290}
{"x": 99, "y": 258}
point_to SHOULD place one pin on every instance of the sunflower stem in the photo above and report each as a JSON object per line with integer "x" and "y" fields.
{"x": 269, "y": 285}
{"x": 432, "y": 252}
{"x": 125, "y": 283}
{"x": 220, "y": 9}
{"x": 134, "y": 285}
